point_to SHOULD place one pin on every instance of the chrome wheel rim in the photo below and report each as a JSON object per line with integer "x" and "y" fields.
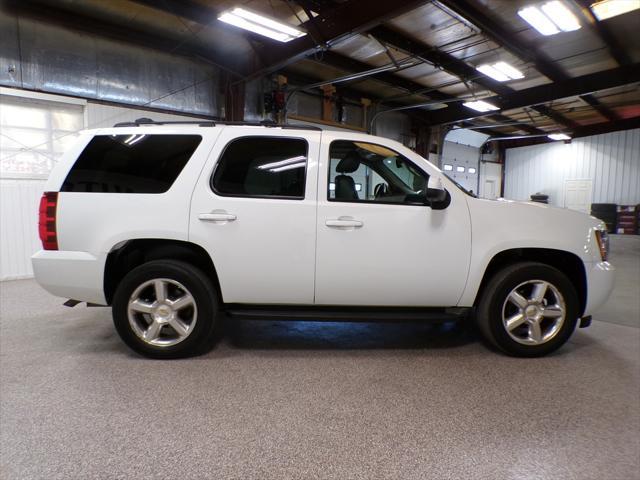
{"x": 162, "y": 312}
{"x": 533, "y": 312}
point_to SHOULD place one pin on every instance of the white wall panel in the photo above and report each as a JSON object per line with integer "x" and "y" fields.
{"x": 19, "y": 201}
{"x": 611, "y": 161}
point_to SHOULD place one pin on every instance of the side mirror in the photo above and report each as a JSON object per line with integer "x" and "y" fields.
{"x": 438, "y": 198}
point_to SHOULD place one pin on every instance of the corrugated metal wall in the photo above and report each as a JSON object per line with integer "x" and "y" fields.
{"x": 611, "y": 161}
{"x": 39, "y": 56}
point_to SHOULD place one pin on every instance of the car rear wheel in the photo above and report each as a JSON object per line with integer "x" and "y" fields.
{"x": 166, "y": 309}
{"x": 528, "y": 309}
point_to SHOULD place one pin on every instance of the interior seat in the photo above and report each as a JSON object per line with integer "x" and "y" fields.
{"x": 345, "y": 185}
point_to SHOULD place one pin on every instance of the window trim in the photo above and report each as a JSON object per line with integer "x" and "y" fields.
{"x": 373, "y": 202}
{"x": 264, "y": 197}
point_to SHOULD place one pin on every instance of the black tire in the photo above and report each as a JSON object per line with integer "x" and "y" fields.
{"x": 489, "y": 313}
{"x": 198, "y": 286}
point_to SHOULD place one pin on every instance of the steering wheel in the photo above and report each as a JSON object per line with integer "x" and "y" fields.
{"x": 381, "y": 190}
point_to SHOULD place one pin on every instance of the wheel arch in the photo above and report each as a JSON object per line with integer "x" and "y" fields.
{"x": 568, "y": 263}
{"x": 130, "y": 254}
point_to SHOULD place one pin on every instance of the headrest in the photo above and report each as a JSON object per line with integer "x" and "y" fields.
{"x": 349, "y": 163}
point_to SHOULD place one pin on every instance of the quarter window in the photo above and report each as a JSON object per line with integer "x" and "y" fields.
{"x": 365, "y": 172}
{"x": 134, "y": 163}
{"x": 262, "y": 167}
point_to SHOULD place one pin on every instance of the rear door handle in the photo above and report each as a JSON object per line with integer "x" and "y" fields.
{"x": 344, "y": 223}
{"x": 217, "y": 217}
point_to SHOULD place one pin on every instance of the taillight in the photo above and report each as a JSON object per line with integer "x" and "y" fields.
{"x": 47, "y": 220}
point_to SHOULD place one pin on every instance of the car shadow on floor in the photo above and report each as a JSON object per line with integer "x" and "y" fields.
{"x": 261, "y": 334}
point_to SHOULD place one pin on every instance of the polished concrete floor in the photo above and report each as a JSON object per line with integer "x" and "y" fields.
{"x": 308, "y": 400}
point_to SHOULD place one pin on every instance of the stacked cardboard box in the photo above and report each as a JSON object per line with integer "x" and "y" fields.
{"x": 627, "y": 219}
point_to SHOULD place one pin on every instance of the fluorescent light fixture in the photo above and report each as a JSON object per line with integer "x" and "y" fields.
{"x": 491, "y": 71}
{"x": 261, "y": 25}
{"x": 332, "y": 187}
{"x": 448, "y": 167}
{"x": 538, "y": 20}
{"x": 561, "y": 16}
{"x": 358, "y": 187}
{"x": 559, "y": 136}
{"x": 500, "y": 71}
{"x": 511, "y": 72}
{"x": 480, "y": 106}
{"x": 611, "y": 8}
{"x": 551, "y": 18}
{"x": 471, "y": 170}
{"x": 460, "y": 169}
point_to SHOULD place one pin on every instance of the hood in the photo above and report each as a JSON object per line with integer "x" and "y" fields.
{"x": 537, "y": 210}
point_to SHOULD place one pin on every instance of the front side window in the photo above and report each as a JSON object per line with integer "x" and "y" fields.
{"x": 365, "y": 172}
{"x": 133, "y": 163}
{"x": 262, "y": 167}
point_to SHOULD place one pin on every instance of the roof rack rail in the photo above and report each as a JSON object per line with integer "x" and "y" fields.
{"x": 211, "y": 123}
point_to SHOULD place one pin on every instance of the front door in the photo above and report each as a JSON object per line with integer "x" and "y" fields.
{"x": 378, "y": 243}
{"x": 254, "y": 211}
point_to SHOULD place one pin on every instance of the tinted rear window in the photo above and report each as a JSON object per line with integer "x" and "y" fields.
{"x": 262, "y": 167}
{"x": 131, "y": 163}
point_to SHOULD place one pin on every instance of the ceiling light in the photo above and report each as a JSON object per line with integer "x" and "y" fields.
{"x": 551, "y": 18}
{"x": 508, "y": 70}
{"x": 480, "y": 106}
{"x": 491, "y": 71}
{"x": 538, "y": 20}
{"x": 561, "y": 16}
{"x": 261, "y": 25}
{"x": 559, "y": 136}
{"x": 611, "y": 8}
{"x": 500, "y": 71}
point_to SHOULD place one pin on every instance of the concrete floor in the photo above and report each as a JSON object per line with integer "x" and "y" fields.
{"x": 308, "y": 400}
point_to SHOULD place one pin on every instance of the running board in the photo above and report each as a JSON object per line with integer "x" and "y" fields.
{"x": 346, "y": 314}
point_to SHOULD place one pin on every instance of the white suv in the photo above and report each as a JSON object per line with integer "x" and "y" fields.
{"x": 174, "y": 224}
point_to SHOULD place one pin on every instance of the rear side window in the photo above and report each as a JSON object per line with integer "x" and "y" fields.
{"x": 131, "y": 163}
{"x": 262, "y": 167}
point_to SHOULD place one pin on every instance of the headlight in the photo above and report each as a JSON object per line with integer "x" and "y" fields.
{"x": 603, "y": 243}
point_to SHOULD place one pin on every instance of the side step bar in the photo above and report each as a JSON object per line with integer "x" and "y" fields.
{"x": 337, "y": 314}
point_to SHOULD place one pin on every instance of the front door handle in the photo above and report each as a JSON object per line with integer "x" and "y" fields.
{"x": 344, "y": 223}
{"x": 217, "y": 216}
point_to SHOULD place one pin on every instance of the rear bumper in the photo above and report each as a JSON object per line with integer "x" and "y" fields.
{"x": 76, "y": 275}
{"x": 600, "y": 280}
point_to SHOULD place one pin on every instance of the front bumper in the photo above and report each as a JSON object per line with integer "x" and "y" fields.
{"x": 600, "y": 280}
{"x": 76, "y": 275}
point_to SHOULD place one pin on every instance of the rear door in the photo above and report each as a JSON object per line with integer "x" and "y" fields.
{"x": 254, "y": 211}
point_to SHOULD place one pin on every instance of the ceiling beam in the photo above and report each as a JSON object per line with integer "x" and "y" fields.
{"x": 331, "y": 26}
{"x": 455, "y": 66}
{"x": 351, "y": 65}
{"x": 541, "y": 94}
{"x": 524, "y": 50}
{"x": 616, "y": 48}
{"x": 584, "y": 131}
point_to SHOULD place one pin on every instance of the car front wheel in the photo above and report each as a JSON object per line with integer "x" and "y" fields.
{"x": 528, "y": 309}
